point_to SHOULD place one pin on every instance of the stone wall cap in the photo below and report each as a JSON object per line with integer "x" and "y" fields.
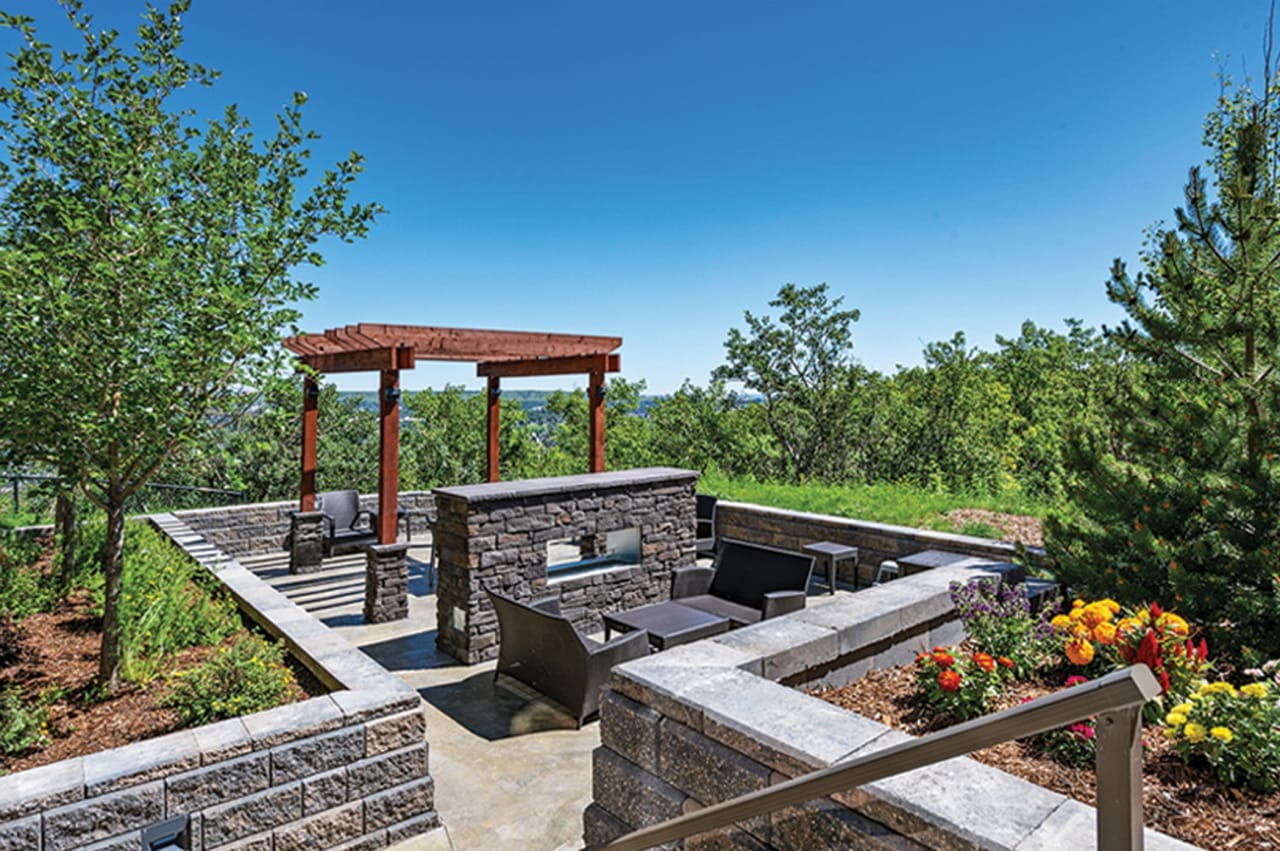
{"x": 498, "y": 491}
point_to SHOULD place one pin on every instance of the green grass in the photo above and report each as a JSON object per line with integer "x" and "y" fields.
{"x": 899, "y": 505}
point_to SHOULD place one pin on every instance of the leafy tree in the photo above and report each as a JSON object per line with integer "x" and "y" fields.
{"x": 803, "y": 367}
{"x": 628, "y": 433}
{"x": 145, "y": 259}
{"x": 1184, "y": 509}
{"x": 444, "y": 440}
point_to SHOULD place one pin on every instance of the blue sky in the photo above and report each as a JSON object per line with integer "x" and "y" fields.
{"x": 651, "y": 170}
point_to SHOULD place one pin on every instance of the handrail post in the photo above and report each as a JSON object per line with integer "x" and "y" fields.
{"x": 1119, "y": 770}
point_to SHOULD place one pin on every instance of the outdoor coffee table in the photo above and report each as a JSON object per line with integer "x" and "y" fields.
{"x": 668, "y": 624}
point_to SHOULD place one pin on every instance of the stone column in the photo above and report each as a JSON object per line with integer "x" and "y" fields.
{"x": 306, "y": 530}
{"x": 386, "y": 583}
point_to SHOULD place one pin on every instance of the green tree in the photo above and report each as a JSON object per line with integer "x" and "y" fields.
{"x": 1183, "y": 509}
{"x": 146, "y": 259}
{"x": 803, "y": 367}
{"x": 444, "y": 439}
{"x": 628, "y": 433}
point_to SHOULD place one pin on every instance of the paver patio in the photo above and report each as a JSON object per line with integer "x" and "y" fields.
{"x": 496, "y": 785}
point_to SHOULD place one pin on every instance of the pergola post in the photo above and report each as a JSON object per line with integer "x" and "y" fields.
{"x": 388, "y": 455}
{"x": 595, "y": 395}
{"x": 494, "y": 421}
{"x": 310, "y": 415}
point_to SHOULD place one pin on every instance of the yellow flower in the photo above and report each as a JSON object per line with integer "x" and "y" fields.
{"x": 1175, "y": 719}
{"x": 1127, "y": 625}
{"x": 1110, "y": 605}
{"x": 1184, "y": 708}
{"x": 1060, "y": 623}
{"x": 1195, "y": 732}
{"x": 1105, "y": 633}
{"x": 1220, "y": 687}
{"x": 1079, "y": 651}
{"x": 1171, "y": 732}
{"x": 1256, "y": 690}
{"x": 1094, "y": 614}
{"x": 1222, "y": 734}
{"x": 1174, "y": 622}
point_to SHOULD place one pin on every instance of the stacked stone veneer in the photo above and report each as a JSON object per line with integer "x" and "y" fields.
{"x": 246, "y": 530}
{"x": 494, "y": 536}
{"x": 709, "y": 721}
{"x": 347, "y": 770}
{"x": 791, "y": 530}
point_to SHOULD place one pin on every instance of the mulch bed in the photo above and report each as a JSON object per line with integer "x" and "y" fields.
{"x": 1184, "y": 802}
{"x": 58, "y": 651}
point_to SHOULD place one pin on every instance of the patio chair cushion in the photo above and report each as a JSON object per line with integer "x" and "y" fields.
{"x": 738, "y": 614}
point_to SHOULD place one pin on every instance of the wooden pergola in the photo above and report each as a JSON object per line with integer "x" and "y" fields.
{"x": 388, "y": 349}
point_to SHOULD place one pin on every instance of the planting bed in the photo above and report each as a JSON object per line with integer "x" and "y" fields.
{"x": 55, "y": 655}
{"x": 1184, "y": 802}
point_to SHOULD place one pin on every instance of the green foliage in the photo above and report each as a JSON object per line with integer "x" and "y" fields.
{"x": 146, "y": 257}
{"x": 24, "y": 724}
{"x": 24, "y": 588}
{"x": 1236, "y": 731}
{"x": 803, "y": 368}
{"x": 246, "y": 676}
{"x": 900, "y": 505}
{"x": 167, "y": 604}
{"x": 1179, "y": 503}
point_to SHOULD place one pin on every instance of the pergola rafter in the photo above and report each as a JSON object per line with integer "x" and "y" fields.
{"x": 387, "y": 349}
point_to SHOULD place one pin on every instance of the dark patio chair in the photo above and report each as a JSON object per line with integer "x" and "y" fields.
{"x": 540, "y": 648}
{"x": 705, "y": 543}
{"x": 747, "y": 583}
{"x": 346, "y": 524}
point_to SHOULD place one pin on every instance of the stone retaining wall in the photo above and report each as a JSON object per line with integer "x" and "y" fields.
{"x": 245, "y": 530}
{"x": 791, "y": 530}
{"x": 494, "y": 536}
{"x": 709, "y": 721}
{"x": 346, "y": 770}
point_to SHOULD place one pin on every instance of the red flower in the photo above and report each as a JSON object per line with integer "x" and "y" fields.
{"x": 1082, "y": 730}
{"x": 949, "y": 680}
{"x": 1006, "y": 661}
{"x": 985, "y": 662}
{"x": 943, "y": 659}
{"x": 920, "y": 657}
{"x": 1076, "y": 679}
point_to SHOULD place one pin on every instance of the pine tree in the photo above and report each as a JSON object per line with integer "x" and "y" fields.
{"x": 1178, "y": 504}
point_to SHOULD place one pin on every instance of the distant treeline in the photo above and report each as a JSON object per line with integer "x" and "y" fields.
{"x": 967, "y": 420}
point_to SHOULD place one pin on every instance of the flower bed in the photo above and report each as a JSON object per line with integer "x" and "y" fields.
{"x": 1212, "y": 762}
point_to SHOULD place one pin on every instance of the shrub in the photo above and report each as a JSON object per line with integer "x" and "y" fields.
{"x": 24, "y": 724}
{"x": 247, "y": 675}
{"x": 1237, "y": 731}
{"x": 24, "y": 588}
{"x": 958, "y": 684}
{"x": 165, "y": 605}
{"x": 1000, "y": 622}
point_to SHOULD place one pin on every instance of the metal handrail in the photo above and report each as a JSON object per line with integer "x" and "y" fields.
{"x": 1116, "y": 699}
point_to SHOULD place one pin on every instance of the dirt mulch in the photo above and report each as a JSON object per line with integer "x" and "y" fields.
{"x": 1184, "y": 802}
{"x": 57, "y": 653}
{"x": 1016, "y": 528}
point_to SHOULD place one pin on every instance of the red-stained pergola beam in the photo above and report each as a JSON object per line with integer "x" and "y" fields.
{"x": 370, "y": 360}
{"x": 387, "y": 349}
{"x": 595, "y": 365}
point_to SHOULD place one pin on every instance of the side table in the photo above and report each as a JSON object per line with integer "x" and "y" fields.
{"x": 834, "y": 553}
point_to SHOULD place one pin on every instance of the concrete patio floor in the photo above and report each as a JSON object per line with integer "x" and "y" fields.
{"x": 510, "y": 770}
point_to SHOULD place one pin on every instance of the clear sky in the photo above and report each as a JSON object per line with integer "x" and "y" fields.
{"x": 650, "y": 170}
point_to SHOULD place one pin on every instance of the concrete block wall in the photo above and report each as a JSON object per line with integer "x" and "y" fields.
{"x": 791, "y": 530}
{"x": 245, "y": 530}
{"x": 709, "y": 721}
{"x": 345, "y": 770}
{"x": 494, "y": 536}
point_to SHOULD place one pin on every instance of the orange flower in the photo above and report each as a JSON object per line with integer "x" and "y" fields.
{"x": 1079, "y": 651}
{"x": 985, "y": 662}
{"x": 1005, "y": 661}
{"x": 949, "y": 680}
{"x": 1105, "y": 633}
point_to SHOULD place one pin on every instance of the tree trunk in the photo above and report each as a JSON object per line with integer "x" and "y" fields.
{"x": 64, "y": 514}
{"x": 113, "y": 568}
